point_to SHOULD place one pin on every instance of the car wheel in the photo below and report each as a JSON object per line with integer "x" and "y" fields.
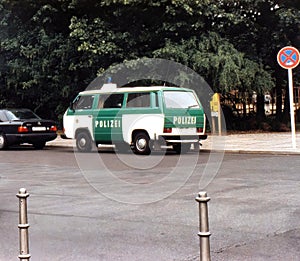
{"x": 181, "y": 148}
{"x": 39, "y": 145}
{"x": 3, "y": 142}
{"x": 84, "y": 142}
{"x": 141, "y": 144}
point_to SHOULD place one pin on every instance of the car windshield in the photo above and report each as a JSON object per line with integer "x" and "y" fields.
{"x": 180, "y": 99}
{"x": 21, "y": 114}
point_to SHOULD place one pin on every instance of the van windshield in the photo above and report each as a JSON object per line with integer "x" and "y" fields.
{"x": 83, "y": 102}
{"x": 180, "y": 99}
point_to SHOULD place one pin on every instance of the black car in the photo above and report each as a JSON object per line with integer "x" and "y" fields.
{"x": 19, "y": 126}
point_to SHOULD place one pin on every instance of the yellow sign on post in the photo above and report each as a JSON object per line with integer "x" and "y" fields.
{"x": 215, "y": 108}
{"x": 215, "y": 102}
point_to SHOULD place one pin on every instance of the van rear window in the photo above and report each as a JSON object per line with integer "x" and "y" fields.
{"x": 180, "y": 99}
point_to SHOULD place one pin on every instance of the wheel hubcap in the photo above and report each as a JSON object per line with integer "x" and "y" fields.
{"x": 82, "y": 142}
{"x": 1, "y": 141}
{"x": 141, "y": 144}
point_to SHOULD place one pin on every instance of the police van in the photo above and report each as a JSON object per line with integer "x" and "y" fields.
{"x": 140, "y": 118}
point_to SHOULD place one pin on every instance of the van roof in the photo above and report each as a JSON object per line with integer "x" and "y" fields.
{"x": 134, "y": 89}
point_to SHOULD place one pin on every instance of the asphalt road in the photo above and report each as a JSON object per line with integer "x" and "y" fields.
{"x": 108, "y": 206}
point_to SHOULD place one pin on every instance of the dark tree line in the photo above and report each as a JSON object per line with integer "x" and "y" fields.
{"x": 50, "y": 50}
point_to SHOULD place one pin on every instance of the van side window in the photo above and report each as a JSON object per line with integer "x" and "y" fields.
{"x": 84, "y": 102}
{"x": 138, "y": 100}
{"x": 110, "y": 101}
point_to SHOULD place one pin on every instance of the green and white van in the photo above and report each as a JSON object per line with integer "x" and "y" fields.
{"x": 142, "y": 118}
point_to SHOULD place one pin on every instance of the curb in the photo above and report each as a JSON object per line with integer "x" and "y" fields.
{"x": 69, "y": 143}
{"x": 266, "y": 152}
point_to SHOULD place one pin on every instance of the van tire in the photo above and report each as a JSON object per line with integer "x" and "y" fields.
{"x": 141, "y": 144}
{"x": 83, "y": 142}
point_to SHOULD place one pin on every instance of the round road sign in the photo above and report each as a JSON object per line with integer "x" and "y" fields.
{"x": 288, "y": 57}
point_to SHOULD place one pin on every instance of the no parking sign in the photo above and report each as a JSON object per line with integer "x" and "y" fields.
{"x": 288, "y": 58}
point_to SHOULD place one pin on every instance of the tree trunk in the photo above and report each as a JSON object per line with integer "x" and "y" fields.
{"x": 278, "y": 103}
{"x": 280, "y": 76}
{"x": 244, "y": 108}
{"x": 286, "y": 110}
{"x": 260, "y": 107}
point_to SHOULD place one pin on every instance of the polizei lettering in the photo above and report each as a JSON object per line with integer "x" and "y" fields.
{"x": 108, "y": 124}
{"x": 184, "y": 120}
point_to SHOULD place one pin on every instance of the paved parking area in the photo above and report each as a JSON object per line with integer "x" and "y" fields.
{"x": 266, "y": 142}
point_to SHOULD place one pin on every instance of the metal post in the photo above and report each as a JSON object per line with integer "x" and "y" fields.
{"x": 292, "y": 110}
{"x": 204, "y": 233}
{"x": 23, "y": 225}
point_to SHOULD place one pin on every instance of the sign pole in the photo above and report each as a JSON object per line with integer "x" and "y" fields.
{"x": 219, "y": 116}
{"x": 288, "y": 58}
{"x": 292, "y": 112}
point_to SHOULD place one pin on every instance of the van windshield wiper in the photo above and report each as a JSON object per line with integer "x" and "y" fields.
{"x": 191, "y": 106}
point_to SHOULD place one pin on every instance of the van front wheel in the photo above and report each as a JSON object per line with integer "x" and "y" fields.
{"x": 141, "y": 144}
{"x": 83, "y": 142}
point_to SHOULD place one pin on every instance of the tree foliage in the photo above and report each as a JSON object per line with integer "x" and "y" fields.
{"x": 51, "y": 49}
{"x": 224, "y": 66}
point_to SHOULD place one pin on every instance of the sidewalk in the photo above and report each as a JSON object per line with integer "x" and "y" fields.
{"x": 271, "y": 142}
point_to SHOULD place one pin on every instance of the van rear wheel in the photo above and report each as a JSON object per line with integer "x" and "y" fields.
{"x": 83, "y": 142}
{"x": 141, "y": 144}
